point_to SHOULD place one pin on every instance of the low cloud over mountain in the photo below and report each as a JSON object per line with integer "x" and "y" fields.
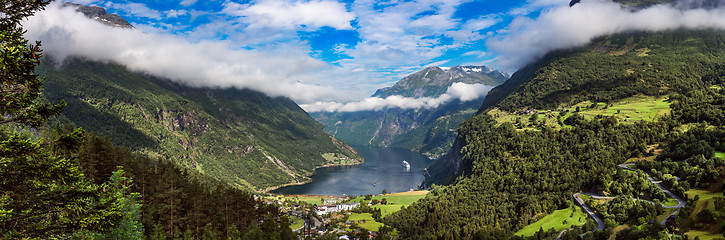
{"x": 458, "y": 91}
{"x": 66, "y": 33}
{"x": 527, "y": 39}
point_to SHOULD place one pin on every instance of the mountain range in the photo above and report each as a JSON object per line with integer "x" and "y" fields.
{"x": 429, "y": 131}
{"x": 239, "y": 136}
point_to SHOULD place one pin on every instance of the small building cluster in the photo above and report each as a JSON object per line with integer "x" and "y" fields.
{"x": 526, "y": 112}
{"x": 325, "y": 209}
{"x": 333, "y": 200}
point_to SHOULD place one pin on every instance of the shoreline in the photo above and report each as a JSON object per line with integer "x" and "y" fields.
{"x": 393, "y": 194}
{"x": 314, "y": 171}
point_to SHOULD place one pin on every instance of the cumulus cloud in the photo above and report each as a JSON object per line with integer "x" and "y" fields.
{"x": 187, "y": 3}
{"x": 527, "y": 39}
{"x": 458, "y": 91}
{"x": 290, "y": 15}
{"x": 66, "y": 33}
{"x": 175, "y": 13}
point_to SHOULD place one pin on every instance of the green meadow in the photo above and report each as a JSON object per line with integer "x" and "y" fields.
{"x": 296, "y": 222}
{"x": 558, "y": 220}
{"x": 365, "y": 220}
{"x": 395, "y": 201}
{"x": 627, "y": 110}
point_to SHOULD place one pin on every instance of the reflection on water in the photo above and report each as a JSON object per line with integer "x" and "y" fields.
{"x": 382, "y": 169}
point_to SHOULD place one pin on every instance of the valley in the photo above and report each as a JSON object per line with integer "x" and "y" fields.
{"x": 430, "y": 131}
{"x": 208, "y": 120}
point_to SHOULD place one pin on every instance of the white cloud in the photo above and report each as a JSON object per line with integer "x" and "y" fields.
{"x": 187, "y": 3}
{"x": 532, "y": 6}
{"x": 479, "y": 54}
{"x": 84, "y": 2}
{"x": 458, "y": 91}
{"x": 527, "y": 39}
{"x": 135, "y": 9}
{"x": 175, "y": 13}
{"x": 278, "y": 14}
{"x": 469, "y": 31}
{"x": 66, "y": 33}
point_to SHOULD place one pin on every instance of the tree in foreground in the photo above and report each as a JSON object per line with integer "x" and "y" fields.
{"x": 43, "y": 193}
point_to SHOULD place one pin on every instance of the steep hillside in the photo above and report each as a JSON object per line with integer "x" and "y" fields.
{"x": 429, "y": 131}
{"x": 506, "y": 174}
{"x": 239, "y": 136}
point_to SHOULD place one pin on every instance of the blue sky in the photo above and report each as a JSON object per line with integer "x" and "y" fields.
{"x": 384, "y": 40}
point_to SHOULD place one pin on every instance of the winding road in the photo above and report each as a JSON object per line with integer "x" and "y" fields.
{"x": 600, "y": 224}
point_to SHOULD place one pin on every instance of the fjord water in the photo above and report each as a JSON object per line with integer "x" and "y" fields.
{"x": 382, "y": 169}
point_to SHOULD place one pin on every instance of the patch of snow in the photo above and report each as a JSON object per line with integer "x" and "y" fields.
{"x": 445, "y": 68}
{"x": 472, "y": 69}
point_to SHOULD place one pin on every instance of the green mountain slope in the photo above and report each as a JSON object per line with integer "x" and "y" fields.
{"x": 505, "y": 175}
{"x": 429, "y": 131}
{"x": 239, "y": 136}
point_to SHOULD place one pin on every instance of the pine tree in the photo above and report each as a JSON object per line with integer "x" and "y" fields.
{"x": 117, "y": 190}
{"x": 44, "y": 194}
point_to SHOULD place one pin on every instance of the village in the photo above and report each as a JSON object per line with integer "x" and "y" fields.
{"x": 346, "y": 217}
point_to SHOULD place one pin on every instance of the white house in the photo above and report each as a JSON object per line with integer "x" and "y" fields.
{"x": 347, "y": 206}
{"x": 325, "y": 209}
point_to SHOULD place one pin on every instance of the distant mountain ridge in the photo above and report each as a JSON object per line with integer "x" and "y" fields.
{"x": 434, "y": 81}
{"x": 100, "y": 14}
{"x": 429, "y": 131}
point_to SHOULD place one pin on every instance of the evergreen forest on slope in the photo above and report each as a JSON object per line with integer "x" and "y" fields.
{"x": 504, "y": 176}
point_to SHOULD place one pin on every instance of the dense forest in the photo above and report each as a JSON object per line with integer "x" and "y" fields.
{"x": 177, "y": 203}
{"x": 509, "y": 176}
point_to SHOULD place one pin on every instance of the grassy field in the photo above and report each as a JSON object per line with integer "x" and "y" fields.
{"x": 704, "y": 235}
{"x": 670, "y": 202}
{"x": 705, "y": 195}
{"x": 339, "y": 159}
{"x": 706, "y": 200}
{"x": 369, "y": 224}
{"x": 304, "y": 198}
{"x": 558, "y": 220}
{"x": 296, "y": 222}
{"x": 661, "y": 217}
{"x": 629, "y": 109}
{"x": 626, "y": 110}
{"x": 720, "y": 155}
{"x": 395, "y": 200}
